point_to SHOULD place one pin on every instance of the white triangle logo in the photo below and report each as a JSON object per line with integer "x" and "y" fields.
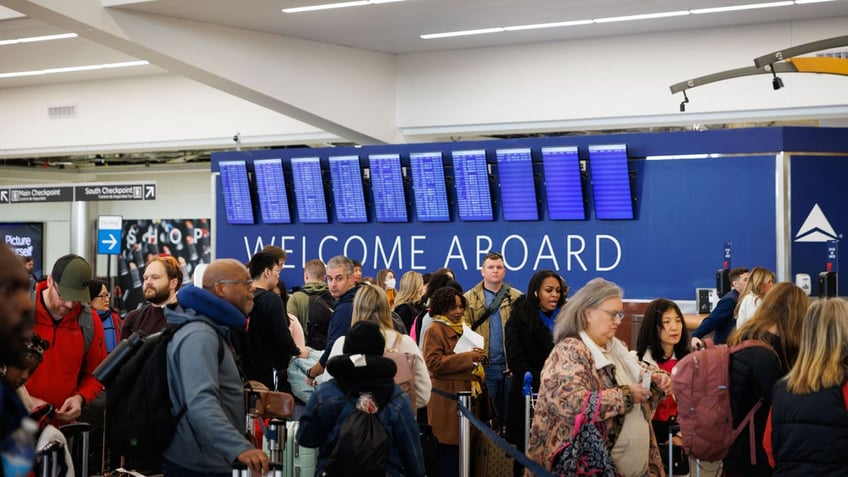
{"x": 816, "y": 228}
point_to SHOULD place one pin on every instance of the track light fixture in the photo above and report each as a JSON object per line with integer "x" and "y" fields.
{"x": 683, "y": 103}
{"x": 776, "y": 82}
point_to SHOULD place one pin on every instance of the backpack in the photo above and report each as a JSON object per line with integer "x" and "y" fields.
{"x": 320, "y": 310}
{"x": 139, "y": 424}
{"x": 405, "y": 376}
{"x": 415, "y": 330}
{"x": 701, "y": 385}
{"x": 363, "y": 445}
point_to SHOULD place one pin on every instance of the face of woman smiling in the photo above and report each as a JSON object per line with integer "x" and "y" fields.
{"x": 549, "y": 294}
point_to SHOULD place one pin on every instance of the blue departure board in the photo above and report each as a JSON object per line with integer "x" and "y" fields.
{"x": 237, "y": 203}
{"x": 347, "y": 189}
{"x": 428, "y": 185}
{"x": 611, "y": 182}
{"x": 471, "y": 177}
{"x": 562, "y": 183}
{"x": 271, "y": 187}
{"x": 387, "y": 187}
{"x": 309, "y": 190}
{"x": 518, "y": 188}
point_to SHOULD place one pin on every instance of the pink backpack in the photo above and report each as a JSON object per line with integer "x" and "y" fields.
{"x": 701, "y": 384}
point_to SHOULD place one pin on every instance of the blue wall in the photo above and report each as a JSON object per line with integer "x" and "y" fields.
{"x": 686, "y": 209}
{"x": 817, "y": 180}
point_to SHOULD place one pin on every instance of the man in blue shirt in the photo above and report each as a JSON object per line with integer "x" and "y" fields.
{"x": 489, "y": 321}
{"x": 720, "y": 320}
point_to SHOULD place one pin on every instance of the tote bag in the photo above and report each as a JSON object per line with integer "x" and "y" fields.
{"x": 585, "y": 453}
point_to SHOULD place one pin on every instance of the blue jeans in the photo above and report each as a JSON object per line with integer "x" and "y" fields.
{"x": 498, "y": 385}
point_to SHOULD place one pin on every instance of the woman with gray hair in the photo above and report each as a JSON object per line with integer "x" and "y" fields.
{"x": 590, "y": 370}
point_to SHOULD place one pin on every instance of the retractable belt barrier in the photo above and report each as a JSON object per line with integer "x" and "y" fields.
{"x": 464, "y": 463}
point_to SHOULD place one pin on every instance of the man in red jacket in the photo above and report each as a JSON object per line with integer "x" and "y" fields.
{"x": 64, "y": 377}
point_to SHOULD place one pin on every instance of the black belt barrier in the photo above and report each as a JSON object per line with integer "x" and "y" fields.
{"x": 531, "y": 465}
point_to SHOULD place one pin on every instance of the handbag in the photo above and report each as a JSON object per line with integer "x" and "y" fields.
{"x": 585, "y": 453}
{"x": 264, "y": 403}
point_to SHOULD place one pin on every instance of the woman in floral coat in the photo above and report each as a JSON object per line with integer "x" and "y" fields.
{"x": 587, "y": 358}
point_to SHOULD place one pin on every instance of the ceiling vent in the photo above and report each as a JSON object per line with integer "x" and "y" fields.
{"x": 61, "y": 112}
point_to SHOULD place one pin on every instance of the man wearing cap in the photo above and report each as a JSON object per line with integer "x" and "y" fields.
{"x": 64, "y": 378}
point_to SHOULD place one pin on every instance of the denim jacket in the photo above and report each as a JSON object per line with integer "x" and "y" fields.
{"x": 329, "y": 407}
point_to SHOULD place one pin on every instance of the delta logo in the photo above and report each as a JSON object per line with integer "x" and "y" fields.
{"x": 816, "y": 228}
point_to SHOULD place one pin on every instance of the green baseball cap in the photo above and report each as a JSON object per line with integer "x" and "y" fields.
{"x": 71, "y": 274}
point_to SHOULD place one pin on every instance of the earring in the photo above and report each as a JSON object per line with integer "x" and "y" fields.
{"x": 536, "y": 294}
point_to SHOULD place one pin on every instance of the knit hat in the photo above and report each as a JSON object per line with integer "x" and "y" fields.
{"x": 364, "y": 337}
{"x": 71, "y": 274}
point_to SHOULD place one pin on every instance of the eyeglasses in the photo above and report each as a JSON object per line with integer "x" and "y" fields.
{"x": 105, "y": 297}
{"x": 616, "y": 315}
{"x": 245, "y": 283}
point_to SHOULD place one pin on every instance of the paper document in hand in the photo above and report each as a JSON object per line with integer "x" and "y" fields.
{"x": 468, "y": 341}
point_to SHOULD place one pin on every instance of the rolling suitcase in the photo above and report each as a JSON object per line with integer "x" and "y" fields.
{"x": 676, "y": 459}
{"x": 297, "y": 461}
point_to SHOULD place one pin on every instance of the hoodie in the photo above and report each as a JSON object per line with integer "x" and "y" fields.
{"x": 208, "y": 437}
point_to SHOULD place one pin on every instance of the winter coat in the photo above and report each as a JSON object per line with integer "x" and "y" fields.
{"x": 569, "y": 373}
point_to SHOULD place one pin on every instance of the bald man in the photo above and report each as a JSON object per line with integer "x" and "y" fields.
{"x": 210, "y": 436}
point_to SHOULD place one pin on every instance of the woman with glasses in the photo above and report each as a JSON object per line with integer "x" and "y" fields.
{"x": 529, "y": 340}
{"x": 589, "y": 365}
{"x": 101, "y": 308}
{"x": 449, "y": 371}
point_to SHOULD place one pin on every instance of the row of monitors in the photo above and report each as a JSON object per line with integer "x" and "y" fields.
{"x": 610, "y": 180}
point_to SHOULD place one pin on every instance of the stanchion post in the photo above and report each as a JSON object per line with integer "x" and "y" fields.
{"x": 464, "y": 436}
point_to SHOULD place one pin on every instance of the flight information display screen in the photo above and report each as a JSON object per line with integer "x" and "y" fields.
{"x": 471, "y": 176}
{"x": 518, "y": 188}
{"x": 387, "y": 187}
{"x": 611, "y": 182}
{"x": 563, "y": 186}
{"x": 234, "y": 182}
{"x": 309, "y": 190}
{"x": 271, "y": 187}
{"x": 428, "y": 186}
{"x": 348, "y": 195}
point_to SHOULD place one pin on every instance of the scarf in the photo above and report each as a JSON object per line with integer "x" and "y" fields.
{"x": 477, "y": 369}
{"x": 215, "y": 308}
{"x": 548, "y": 320}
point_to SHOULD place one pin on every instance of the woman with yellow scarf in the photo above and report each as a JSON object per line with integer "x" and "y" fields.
{"x": 449, "y": 371}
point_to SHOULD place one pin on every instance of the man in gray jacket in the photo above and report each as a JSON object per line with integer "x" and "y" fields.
{"x": 202, "y": 374}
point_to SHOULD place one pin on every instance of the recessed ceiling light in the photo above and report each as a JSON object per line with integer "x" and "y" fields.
{"x": 449, "y": 34}
{"x": 646, "y": 16}
{"x": 736, "y": 8}
{"x": 33, "y": 39}
{"x": 537, "y": 26}
{"x": 328, "y": 6}
{"x": 71, "y": 69}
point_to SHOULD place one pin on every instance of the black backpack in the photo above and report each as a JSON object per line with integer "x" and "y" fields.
{"x": 362, "y": 448}
{"x": 320, "y": 310}
{"x": 139, "y": 423}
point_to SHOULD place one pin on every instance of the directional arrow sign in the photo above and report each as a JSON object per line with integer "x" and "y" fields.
{"x": 109, "y": 234}
{"x": 4, "y": 196}
{"x": 149, "y": 191}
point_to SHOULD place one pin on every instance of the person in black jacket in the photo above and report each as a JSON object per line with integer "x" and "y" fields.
{"x": 755, "y": 370}
{"x": 270, "y": 345}
{"x": 529, "y": 340}
{"x": 809, "y": 416}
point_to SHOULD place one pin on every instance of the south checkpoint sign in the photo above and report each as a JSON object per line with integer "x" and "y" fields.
{"x": 78, "y": 192}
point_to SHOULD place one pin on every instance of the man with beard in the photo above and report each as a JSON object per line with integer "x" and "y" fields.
{"x": 64, "y": 378}
{"x": 14, "y": 304}
{"x": 162, "y": 279}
